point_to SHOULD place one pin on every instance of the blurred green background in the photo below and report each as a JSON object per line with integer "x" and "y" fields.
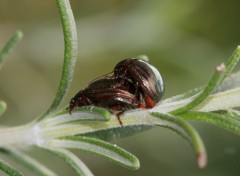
{"x": 184, "y": 39}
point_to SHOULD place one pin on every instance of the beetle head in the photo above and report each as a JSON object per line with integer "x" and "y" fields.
{"x": 77, "y": 101}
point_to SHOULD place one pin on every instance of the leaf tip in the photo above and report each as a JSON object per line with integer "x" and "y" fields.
{"x": 19, "y": 34}
{"x": 136, "y": 164}
{"x": 143, "y": 57}
{"x": 202, "y": 160}
{"x": 3, "y": 107}
{"x": 221, "y": 68}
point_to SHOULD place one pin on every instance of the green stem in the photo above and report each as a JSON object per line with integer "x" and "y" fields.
{"x": 70, "y": 53}
{"x": 24, "y": 135}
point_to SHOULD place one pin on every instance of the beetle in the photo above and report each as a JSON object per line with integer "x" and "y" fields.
{"x": 108, "y": 93}
{"x": 145, "y": 77}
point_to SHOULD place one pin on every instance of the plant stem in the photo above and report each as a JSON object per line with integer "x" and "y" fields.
{"x": 18, "y": 136}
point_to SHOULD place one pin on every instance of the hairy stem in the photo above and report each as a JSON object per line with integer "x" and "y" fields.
{"x": 18, "y": 136}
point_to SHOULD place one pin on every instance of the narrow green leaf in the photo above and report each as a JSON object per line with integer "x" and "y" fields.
{"x": 28, "y": 162}
{"x": 185, "y": 130}
{"x": 212, "y": 84}
{"x": 231, "y": 99}
{"x": 9, "y": 170}
{"x": 232, "y": 113}
{"x": 222, "y": 121}
{"x": 212, "y": 87}
{"x": 79, "y": 167}
{"x": 116, "y": 133}
{"x": 3, "y": 107}
{"x": 96, "y": 146}
{"x": 9, "y": 46}
{"x": 232, "y": 62}
{"x": 70, "y": 54}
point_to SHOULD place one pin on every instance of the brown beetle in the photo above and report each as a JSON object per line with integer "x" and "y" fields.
{"x": 108, "y": 93}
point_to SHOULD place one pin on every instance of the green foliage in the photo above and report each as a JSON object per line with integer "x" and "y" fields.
{"x": 57, "y": 131}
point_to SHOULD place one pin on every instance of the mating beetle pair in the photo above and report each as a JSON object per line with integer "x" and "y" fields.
{"x": 134, "y": 84}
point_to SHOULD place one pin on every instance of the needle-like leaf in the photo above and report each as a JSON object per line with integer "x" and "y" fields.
{"x": 222, "y": 121}
{"x": 73, "y": 161}
{"x": 28, "y": 162}
{"x": 231, "y": 99}
{"x": 232, "y": 62}
{"x": 70, "y": 54}
{"x": 185, "y": 130}
{"x": 231, "y": 113}
{"x": 213, "y": 83}
{"x": 9, "y": 46}
{"x": 107, "y": 150}
{"x": 218, "y": 77}
{"x": 9, "y": 170}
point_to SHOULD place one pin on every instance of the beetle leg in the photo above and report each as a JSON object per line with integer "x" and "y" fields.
{"x": 120, "y": 110}
{"x": 118, "y": 117}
